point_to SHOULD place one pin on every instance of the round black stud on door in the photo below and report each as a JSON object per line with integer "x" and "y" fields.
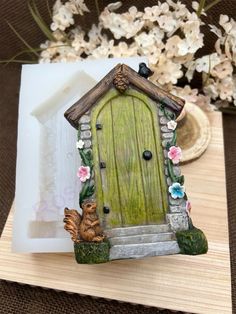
{"x": 106, "y": 210}
{"x": 147, "y": 155}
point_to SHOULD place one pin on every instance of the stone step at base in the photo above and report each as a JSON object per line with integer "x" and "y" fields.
{"x": 142, "y": 238}
{"x": 137, "y": 230}
{"x": 143, "y": 250}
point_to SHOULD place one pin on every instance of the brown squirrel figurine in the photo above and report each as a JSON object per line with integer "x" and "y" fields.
{"x": 86, "y": 227}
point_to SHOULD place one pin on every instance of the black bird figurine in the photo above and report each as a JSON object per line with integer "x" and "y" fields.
{"x": 144, "y": 71}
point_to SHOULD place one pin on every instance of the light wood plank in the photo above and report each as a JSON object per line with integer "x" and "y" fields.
{"x": 111, "y": 197}
{"x": 195, "y": 284}
{"x": 145, "y": 130}
{"x": 127, "y": 159}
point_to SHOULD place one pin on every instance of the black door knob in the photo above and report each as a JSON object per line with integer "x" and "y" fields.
{"x": 106, "y": 210}
{"x": 147, "y": 155}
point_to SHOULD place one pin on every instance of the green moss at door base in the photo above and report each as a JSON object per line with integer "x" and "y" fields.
{"x": 192, "y": 241}
{"x": 91, "y": 252}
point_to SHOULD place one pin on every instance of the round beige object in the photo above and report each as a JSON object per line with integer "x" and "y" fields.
{"x": 193, "y": 133}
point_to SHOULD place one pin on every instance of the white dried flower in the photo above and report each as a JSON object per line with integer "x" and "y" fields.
{"x": 79, "y": 44}
{"x": 76, "y": 7}
{"x": 153, "y": 54}
{"x": 95, "y": 35}
{"x": 222, "y": 70}
{"x": 59, "y": 35}
{"x": 79, "y": 144}
{"x": 185, "y": 60}
{"x": 153, "y": 34}
{"x": 158, "y": 35}
{"x": 134, "y": 28}
{"x": 195, "y": 6}
{"x": 151, "y": 13}
{"x": 123, "y": 50}
{"x": 180, "y": 9}
{"x": 167, "y": 22}
{"x": 187, "y": 93}
{"x": 171, "y": 125}
{"x": 190, "y": 45}
{"x": 51, "y": 51}
{"x": 102, "y": 51}
{"x": 172, "y": 49}
{"x": 114, "y": 22}
{"x": 215, "y": 30}
{"x": 62, "y": 19}
{"x": 225, "y": 23}
{"x": 225, "y": 88}
{"x": 167, "y": 71}
{"x": 207, "y": 63}
{"x": 114, "y": 6}
{"x": 210, "y": 89}
{"x": 204, "y": 102}
{"x": 57, "y": 5}
{"x": 191, "y": 29}
{"x": 144, "y": 40}
{"x": 133, "y": 13}
{"x": 122, "y": 25}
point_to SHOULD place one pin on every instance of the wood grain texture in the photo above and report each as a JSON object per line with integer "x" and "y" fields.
{"x": 74, "y": 113}
{"x": 132, "y": 200}
{"x": 155, "y": 92}
{"x": 195, "y": 125}
{"x": 148, "y": 138}
{"x": 110, "y": 185}
{"x": 98, "y": 156}
{"x": 195, "y": 284}
{"x": 134, "y": 189}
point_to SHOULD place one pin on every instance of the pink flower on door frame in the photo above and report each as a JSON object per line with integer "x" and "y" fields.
{"x": 175, "y": 154}
{"x": 83, "y": 173}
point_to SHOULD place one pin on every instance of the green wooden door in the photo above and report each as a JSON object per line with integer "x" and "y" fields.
{"x": 124, "y": 126}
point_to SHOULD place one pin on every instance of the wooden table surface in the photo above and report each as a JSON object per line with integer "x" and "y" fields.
{"x": 196, "y": 284}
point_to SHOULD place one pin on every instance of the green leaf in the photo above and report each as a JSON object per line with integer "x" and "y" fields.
{"x": 49, "y": 9}
{"x": 89, "y": 157}
{"x": 170, "y": 170}
{"x": 211, "y": 5}
{"x": 78, "y": 134}
{"x": 39, "y": 20}
{"x": 86, "y": 192}
{"x": 97, "y": 8}
{"x": 201, "y": 7}
{"x": 83, "y": 193}
{"x": 169, "y": 115}
{"x": 83, "y": 157}
{"x": 86, "y": 158}
{"x": 31, "y": 49}
{"x": 13, "y": 59}
{"x": 168, "y": 145}
{"x": 173, "y": 141}
{"x": 180, "y": 180}
{"x": 18, "y": 61}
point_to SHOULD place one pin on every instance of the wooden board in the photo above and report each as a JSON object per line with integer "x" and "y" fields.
{"x": 199, "y": 284}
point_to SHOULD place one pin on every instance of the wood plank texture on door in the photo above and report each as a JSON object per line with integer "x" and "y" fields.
{"x": 134, "y": 189}
{"x": 110, "y": 188}
{"x": 146, "y": 140}
{"x": 128, "y": 164}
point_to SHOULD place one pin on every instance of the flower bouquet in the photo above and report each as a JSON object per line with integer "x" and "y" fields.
{"x": 170, "y": 34}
